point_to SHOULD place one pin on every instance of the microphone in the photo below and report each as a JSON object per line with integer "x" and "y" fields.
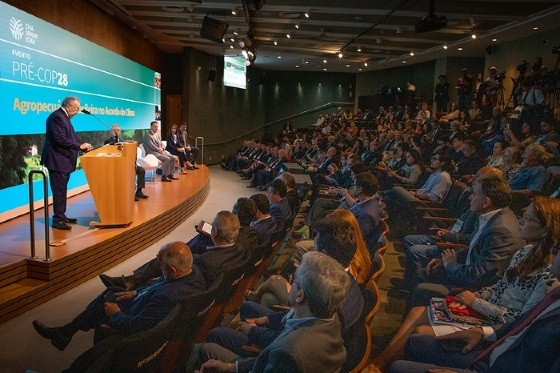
{"x": 96, "y": 117}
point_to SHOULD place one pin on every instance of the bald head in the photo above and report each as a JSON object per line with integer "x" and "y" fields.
{"x": 175, "y": 259}
{"x": 489, "y": 171}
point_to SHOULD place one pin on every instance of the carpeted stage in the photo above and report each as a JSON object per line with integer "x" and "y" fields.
{"x": 25, "y": 283}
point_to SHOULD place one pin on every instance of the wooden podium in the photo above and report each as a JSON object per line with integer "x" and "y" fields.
{"x": 111, "y": 171}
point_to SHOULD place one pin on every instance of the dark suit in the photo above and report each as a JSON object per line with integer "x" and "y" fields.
{"x": 59, "y": 157}
{"x": 281, "y": 212}
{"x": 264, "y": 228}
{"x": 247, "y": 237}
{"x": 151, "y": 305}
{"x": 534, "y": 350}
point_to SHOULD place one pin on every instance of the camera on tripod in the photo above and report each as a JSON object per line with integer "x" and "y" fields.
{"x": 522, "y": 67}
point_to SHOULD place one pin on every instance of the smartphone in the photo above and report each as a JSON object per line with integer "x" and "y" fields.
{"x": 204, "y": 228}
{"x": 110, "y": 297}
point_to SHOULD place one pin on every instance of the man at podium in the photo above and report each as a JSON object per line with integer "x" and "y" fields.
{"x": 59, "y": 156}
{"x": 140, "y": 172}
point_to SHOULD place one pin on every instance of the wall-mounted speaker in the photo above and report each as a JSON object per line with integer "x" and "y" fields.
{"x": 213, "y": 29}
{"x": 212, "y": 75}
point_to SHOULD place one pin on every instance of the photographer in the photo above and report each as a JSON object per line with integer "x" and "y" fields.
{"x": 493, "y": 85}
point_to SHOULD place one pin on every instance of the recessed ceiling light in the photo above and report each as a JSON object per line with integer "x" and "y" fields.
{"x": 494, "y": 39}
{"x": 307, "y": 62}
{"x": 535, "y": 28}
{"x": 231, "y": 46}
{"x": 473, "y": 36}
{"x": 306, "y": 14}
{"x": 359, "y": 49}
{"x": 232, "y": 39}
{"x": 324, "y": 69}
{"x": 288, "y": 36}
{"x": 459, "y": 49}
{"x": 297, "y": 66}
{"x": 340, "y": 55}
{"x": 365, "y": 64}
{"x": 404, "y": 62}
{"x": 275, "y": 42}
{"x": 233, "y": 12}
{"x": 347, "y": 65}
{"x": 324, "y": 61}
{"x": 445, "y": 47}
{"x": 235, "y": 33}
{"x": 279, "y": 56}
{"x": 296, "y": 26}
{"x": 360, "y": 69}
{"x": 412, "y": 53}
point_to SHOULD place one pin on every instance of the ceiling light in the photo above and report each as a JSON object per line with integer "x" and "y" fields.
{"x": 233, "y": 12}
{"x": 232, "y": 39}
{"x": 279, "y": 56}
{"x": 359, "y": 49}
{"x": 494, "y": 39}
{"x": 297, "y": 66}
{"x": 288, "y": 36}
{"x": 275, "y": 42}
{"x": 404, "y": 62}
{"x": 535, "y": 28}
{"x": 399, "y": 30}
{"x": 324, "y": 61}
{"x": 359, "y": 69}
{"x": 411, "y": 53}
{"x": 365, "y": 64}
{"x": 445, "y": 47}
{"x": 231, "y": 46}
{"x": 307, "y": 62}
{"x": 235, "y": 33}
{"x": 347, "y": 65}
{"x": 306, "y": 14}
{"x": 296, "y": 26}
{"x": 473, "y": 36}
{"x": 378, "y": 40}
{"x": 459, "y": 49}
{"x": 324, "y": 69}
{"x": 340, "y": 55}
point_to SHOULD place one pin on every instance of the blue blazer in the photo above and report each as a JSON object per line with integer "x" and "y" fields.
{"x": 61, "y": 145}
{"x": 154, "y": 302}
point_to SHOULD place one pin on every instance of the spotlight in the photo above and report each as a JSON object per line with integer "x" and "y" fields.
{"x": 340, "y": 55}
{"x": 359, "y": 49}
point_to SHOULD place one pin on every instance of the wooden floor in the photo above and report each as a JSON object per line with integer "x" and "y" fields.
{"x": 26, "y": 283}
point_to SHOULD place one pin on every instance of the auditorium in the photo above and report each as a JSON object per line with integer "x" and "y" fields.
{"x": 279, "y": 186}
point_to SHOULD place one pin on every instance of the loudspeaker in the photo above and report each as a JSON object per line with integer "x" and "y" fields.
{"x": 214, "y": 30}
{"x": 212, "y": 75}
{"x": 258, "y": 4}
{"x": 491, "y": 49}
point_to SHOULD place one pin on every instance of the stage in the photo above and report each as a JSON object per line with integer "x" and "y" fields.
{"x": 87, "y": 252}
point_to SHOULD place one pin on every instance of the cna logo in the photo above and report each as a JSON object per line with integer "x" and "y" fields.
{"x": 16, "y": 27}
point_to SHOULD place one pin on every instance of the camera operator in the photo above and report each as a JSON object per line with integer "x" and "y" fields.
{"x": 493, "y": 85}
{"x": 464, "y": 87}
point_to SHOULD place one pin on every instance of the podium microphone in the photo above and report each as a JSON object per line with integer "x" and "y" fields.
{"x": 96, "y": 117}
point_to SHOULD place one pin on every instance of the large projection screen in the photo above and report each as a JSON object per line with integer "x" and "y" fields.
{"x": 40, "y": 64}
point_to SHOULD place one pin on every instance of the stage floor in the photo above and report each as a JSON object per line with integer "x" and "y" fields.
{"x": 15, "y": 233}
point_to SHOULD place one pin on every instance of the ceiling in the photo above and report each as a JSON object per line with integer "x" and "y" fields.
{"x": 382, "y": 30}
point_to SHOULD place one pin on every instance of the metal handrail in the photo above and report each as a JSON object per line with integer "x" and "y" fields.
{"x": 32, "y": 214}
{"x": 308, "y": 111}
{"x": 201, "y": 149}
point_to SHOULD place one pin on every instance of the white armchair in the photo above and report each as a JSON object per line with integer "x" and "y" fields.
{"x": 147, "y": 162}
